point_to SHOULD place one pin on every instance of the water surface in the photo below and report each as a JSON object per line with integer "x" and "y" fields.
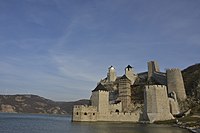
{"x": 26, "y": 123}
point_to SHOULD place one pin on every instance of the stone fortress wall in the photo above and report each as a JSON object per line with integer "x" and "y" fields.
{"x": 160, "y": 101}
{"x": 100, "y": 99}
{"x": 152, "y": 67}
{"x": 115, "y": 107}
{"x": 172, "y": 79}
{"x": 103, "y": 111}
{"x": 120, "y": 117}
{"x": 84, "y": 113}
{"x": 175, "y": 83}
{"x": 154, "y": 109}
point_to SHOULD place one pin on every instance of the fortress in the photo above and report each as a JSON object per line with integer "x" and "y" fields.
{"x": 112, "y": 99}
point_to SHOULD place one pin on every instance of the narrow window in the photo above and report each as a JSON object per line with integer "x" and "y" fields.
{"x": 93, "y": 113}
{"x": 85, "y": 113}
{"x": 77, "y": 113}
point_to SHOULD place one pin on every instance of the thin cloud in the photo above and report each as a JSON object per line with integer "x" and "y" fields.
{"x": 75, "y": 67}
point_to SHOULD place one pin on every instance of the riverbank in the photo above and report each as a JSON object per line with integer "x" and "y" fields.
{"x": 191, "y": 123}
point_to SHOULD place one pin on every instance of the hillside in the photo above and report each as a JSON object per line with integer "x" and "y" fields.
{"x": 35, "y": 104}
{"x": 191, "y": 77}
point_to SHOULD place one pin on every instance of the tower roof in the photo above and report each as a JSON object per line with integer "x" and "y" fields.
{"x": 124, "y": 77}
{"x": 129, "y": 66}
{"x": 111, "y": 67}
{"x": 99, "y": 87}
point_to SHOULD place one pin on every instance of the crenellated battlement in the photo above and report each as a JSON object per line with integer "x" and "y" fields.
{"x": 115, "y": 105}
{"x": 156, "y": 86}
{"x": 83, "y": 107}
{"x": 124, "y": 113}
{"x": 103, "y": 91}
{"x": 173, "y": 69}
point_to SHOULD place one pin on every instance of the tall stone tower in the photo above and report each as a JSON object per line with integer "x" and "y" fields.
{"x": 175, "y": 83}
{"x": 125, "y": 92}
{"x": 100, "y": 99}
{"x": 152, "y": 67}
{"x": 111, "y": 75}
{"x": 130, "y": 74}
{"x": 156, "y": 103}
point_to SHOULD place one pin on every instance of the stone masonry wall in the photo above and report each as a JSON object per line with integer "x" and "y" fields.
{"x": 125, "y": 93}
{"x": 119, "y": 117}
{"x": 156, "y": 103}
{"x": 111, "y": 75}
{"x": 130, "y": 75}
{"x": 152, "y": 67}
{"x": 100, "y": 99}
{"x": 115, "y": 107}
{"x": 84, "y": 113}
{"x": 175, "y": 83}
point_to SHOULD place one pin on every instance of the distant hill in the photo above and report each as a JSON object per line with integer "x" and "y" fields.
{"x": 35, "y": 104}
{"x": 68, "y": 106}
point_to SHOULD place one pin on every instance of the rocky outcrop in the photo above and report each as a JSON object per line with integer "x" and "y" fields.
{"x": 191, "y": 77}
{"x": 7, "y": 108}
{"x": 192, "y": 124}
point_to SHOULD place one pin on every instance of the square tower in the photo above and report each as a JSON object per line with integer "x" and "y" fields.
{"x": 125, "y": 92}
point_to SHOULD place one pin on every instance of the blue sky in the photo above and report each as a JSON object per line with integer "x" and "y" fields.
{"x": 60, "y": 49}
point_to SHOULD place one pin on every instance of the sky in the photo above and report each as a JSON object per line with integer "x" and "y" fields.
{"x": 60, "y": 49}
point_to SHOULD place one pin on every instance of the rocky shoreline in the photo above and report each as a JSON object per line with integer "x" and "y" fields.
{"x": 190, "y": 123}
{"x": 192, "y": 126}
{"x": 193, "y": 129}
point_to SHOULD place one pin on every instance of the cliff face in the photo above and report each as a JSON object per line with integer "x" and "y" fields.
{"x": 35, "y": 104}
{"x": 191, "y": 77}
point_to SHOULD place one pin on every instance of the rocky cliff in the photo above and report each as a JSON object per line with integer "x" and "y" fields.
{"x": 35, "y": 104}
{"x": 191, "y": 77}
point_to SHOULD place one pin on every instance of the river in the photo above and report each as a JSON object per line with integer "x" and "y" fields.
{"x": 34, "y": 123}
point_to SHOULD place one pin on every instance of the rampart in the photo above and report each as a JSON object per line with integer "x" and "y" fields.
{"x": 115, "y": 107}
{"x": 160, "y": 77}
{"x": 125, "y": 117}
{"x": 84, "y": 113}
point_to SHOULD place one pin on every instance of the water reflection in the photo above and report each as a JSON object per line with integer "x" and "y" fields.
{"x": 107, "y": 127}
